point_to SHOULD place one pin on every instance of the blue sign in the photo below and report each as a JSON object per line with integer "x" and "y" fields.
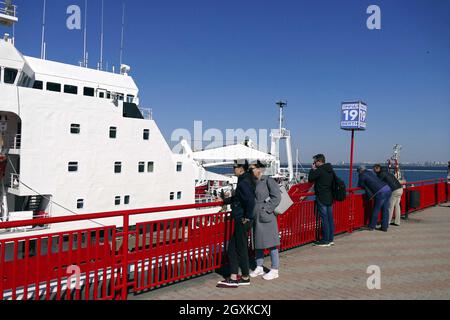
{"x": 353, "y": 116}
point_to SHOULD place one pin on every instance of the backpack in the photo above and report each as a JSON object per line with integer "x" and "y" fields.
{"x": 338, "y": 189}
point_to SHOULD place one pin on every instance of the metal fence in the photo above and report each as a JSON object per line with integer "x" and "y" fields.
{"x": 110, "y": 263}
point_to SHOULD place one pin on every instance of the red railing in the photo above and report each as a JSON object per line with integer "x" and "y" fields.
{"x": 108, "y": 262}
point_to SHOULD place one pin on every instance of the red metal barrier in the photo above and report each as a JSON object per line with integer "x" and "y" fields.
{"x": 109, "y": 261}
{"x": 42, "y": 267}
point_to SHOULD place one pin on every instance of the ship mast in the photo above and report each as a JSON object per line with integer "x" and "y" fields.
{"x": 43, "y": 45}
{"x": 282, "y": 134}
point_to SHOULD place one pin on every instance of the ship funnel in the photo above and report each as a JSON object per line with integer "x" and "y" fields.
{"x": 8, "y": 13}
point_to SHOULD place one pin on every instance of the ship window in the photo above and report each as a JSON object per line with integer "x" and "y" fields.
{"x": 73, "y": 166}
{"x": 126, "y": 200}
{"x": 24, "y": 80}
{"x": 117, "y": 167}
{"x": 141, "y": 167}
{"x": 108, "y": 95}
{"x": 117, "y": 201}
{"x": 101, "y": 95}
{"x": 120, "y": 96}
{"x": 179, "y": 166}
{"x": 179, "y": 195}
{"x": 150, "y": 166}
{"x": 146, "y": 134}
{"x": 10, "y": 75}
{"x": 89, "y": 92}
{"x": 130, "y": 98}
{"x": 70, "y": 89}
{"x": 113, "y": 132}
{"x": 52, "y": 86}
{"x": 172, "y": 196}
{"x": 75, "y": 128}
{"x": 80, "y": 204}
{"x": 38, "y": 85}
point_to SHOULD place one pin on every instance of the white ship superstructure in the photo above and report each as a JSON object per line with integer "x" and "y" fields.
{"x": 77, "y": 142}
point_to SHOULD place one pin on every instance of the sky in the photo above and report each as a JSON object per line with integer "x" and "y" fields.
{"x": 226, "y": 63}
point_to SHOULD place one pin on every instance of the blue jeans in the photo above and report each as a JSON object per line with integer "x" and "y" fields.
{"x": 381, "y": 203}
{"x": 326, "y": 215}
{"x": 274, "y": 256}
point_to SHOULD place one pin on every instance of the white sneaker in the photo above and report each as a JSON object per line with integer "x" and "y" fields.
{"x": 272, "y": 274}
{"x": 259, "y": 271}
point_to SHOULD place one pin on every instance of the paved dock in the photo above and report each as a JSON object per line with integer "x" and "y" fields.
{"x": 414, "y": 262}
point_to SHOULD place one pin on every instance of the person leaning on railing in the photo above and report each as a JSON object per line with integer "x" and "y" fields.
{"x": 397, "y": 192}
{"x": 322, "y": 175}
{"x": 375, "y": 188}
{"x": 448, "y": 172}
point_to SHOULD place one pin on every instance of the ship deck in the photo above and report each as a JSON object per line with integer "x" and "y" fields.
{"x": 414, "y": 261}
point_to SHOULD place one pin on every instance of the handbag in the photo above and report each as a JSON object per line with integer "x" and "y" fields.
{"x": 285, "y": 203}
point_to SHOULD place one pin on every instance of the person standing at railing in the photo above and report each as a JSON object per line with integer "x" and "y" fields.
{"x": 322, "y": 175}
{"x": 397, "y": 193}
{"x": 242, "y": 206}
{"x": 266, "y": 235}
{"x": 375, "y": 188}
{"x": 448, "y": 172}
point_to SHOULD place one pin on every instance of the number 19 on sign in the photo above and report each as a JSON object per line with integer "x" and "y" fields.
{"x": 353, "y": 116}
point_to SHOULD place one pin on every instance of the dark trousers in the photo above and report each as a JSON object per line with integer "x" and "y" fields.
{"x": 326, "y": 215}
{"x": 238, "y": 248}
{"x": 381, "y": 203}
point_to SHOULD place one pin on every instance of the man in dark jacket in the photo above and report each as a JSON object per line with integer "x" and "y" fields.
{"x": 397, "y": 193}
{"x": 322, "y": 175}
{"x": 375, "y": 188}
{"x": 242, "y": 206}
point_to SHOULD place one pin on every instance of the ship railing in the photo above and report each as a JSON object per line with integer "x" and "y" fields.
{"x": 147, "y": 113}
{"x": 13, "y": 141}
{"x": 205, "y": 199}
{"x": 8, "y": 9}
{"x": 116, "y": 261}
{"x": 15, "y": 181}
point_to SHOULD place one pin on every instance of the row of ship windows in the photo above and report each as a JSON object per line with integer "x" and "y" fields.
{"x": 87, "y": 91}
{"x": 126, "y": 200}
{"x": 73, "y": 167}
{"x": 76, "y": 129}
{"x": 10, "y": 75}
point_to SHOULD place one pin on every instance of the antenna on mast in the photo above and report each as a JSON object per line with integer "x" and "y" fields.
{"x": 281, "y": 104}
{"x": 43, "y": 31}
{"x": 85, "y": 63}
{"x": 101, "y": 36}
{"x": 122, "y": 35}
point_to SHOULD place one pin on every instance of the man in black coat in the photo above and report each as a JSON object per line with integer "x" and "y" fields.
{"x": 397, "y": 193}
{"x": 322, "y": 175}
{"x": 242, "y": 206}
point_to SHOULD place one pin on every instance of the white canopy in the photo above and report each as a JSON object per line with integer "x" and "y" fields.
{"x": 231, "y": 153}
